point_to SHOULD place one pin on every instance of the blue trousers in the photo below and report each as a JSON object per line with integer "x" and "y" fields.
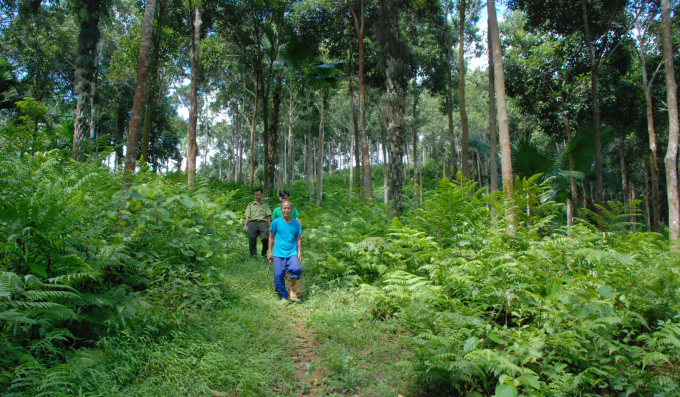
{"x": 281, "y": 266}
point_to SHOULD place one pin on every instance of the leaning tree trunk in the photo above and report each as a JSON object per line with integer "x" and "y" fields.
{"x": 504, "y": 129}
{"x": 319, "y": 183}
{"x": 140, "y": 92}
{"x": 647, "y": 88}
{"x": 88, "y": 38}
{"x": 493, "y": 137}
{"x": 192, "y": 148}
{"x": 671, "y": 159}
{"x": 465, "y": 142}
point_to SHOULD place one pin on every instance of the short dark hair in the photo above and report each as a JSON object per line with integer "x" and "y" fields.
{"x": 284, "y": 193}
{"x": 257, "y": 189}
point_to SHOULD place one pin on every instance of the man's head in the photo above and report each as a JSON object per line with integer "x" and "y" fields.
{"x": 258, "y": 194}
{"x": 286, "y": 209}
{"x": 284, "y": 195}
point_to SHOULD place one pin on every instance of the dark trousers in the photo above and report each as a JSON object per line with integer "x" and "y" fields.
{"x": 258, "y": 229}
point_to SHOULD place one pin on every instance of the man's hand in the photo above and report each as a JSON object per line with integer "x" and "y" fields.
{"x": 245, "y": 228}
{"x": 300, "y": 257}
{"x": 270, "y": 257}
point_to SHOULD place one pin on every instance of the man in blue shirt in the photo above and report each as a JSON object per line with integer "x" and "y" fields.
{"x": 287, "y": 253}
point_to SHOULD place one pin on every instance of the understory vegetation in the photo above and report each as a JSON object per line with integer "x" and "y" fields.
{"x": 149, "y": 292}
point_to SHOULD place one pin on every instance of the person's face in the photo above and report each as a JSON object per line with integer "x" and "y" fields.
{"x": 258, "y": 196}
{"x": 283, "y": 198}
{"x": 287, "y": 209}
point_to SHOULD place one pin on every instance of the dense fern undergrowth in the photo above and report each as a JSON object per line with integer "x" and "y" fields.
{"x": 96, "y": 285}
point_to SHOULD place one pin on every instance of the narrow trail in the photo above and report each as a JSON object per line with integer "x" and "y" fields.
{"x": 308, "y": 366}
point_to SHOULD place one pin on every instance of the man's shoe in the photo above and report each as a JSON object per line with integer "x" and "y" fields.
{"x": 291, "y": 295}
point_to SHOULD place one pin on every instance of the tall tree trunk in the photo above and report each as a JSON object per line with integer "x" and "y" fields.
{"x": 291, "y": 150}
{"x": 449, "y": 88}
{"x": 465, "y": 142}
{"x": 93, "y": 91}
{"x": 319, "y": 184}
{"x": 253, "y": 127}
{"x": 140, "y": 93}
{"x": 671, "y": 159}
{"x": 359, "y": 26}
{"x": 572, "y": 206}
{"x": 594, "y": 73}
{"x": 415, "y": 145}
{"x": 153, "y": 86}
{"x": 648, "y": 210}
{"x": 622, "y": 163}
{"x": 504, "y": 130}
{"x": 383, "y": 138}
{"x": 88, "y": 38}
{"x": 192, "y": 147}
{"x": 493, "y": 137}
{"x": 271, "y": 139}
{"x": 355, "y": 122}
{"x": 351, "y": 170}
{"x": 647, "y": 88}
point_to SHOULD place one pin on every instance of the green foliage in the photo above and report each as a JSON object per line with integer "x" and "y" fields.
{"x": 83, "y": 264}
{"x": 550, "y": 310}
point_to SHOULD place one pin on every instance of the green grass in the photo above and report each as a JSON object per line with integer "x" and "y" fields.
{"x": 242, "y": 349}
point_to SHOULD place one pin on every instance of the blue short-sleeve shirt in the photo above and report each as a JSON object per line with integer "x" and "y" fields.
{"x": 286, "y": 235}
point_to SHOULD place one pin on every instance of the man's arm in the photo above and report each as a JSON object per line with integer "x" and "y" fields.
{"x": 299, "y": 248}
{"x": 245, "y": 227}
{"x": 270, "y": 255}
{"x": 269, "y": 221}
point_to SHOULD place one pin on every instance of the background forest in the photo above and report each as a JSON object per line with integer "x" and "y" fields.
{"x": 498, "y": 229}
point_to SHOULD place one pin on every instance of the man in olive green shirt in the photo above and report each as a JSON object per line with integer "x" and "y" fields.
{"x": 258, "y": 221}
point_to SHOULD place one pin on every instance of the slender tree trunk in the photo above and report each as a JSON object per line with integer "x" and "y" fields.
{"x": 652, "y": 148}
{"x": 449, "y": 88}
{"x": 493, "y": 137}
{"x": 383, "y": 138}
{"x": 465, "y": 142}
{"x": 319, "y": 183}
{"x": 594, "y": 74}
{"x": 671, "y": 159}
{"x": 93, "y": 91}
{"x": 506, "y": 162}
{"x": 633, "y": 207}
{"x": 253, "y": 127}
{"x": 271, "y": 138}
{"x": 140, "y": 93}
{"x": 151, "y": 92}
{"x": 415, "y": 145}
{"x": 359, "y": 26}
{"x": 192, "y": 148}
{"x": 291, "y": 150}
{"x": 88, "y": 39}
{"x": 648, "y": 217}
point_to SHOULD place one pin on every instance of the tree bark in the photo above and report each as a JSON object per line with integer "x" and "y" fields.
{"x": 594, "y": 72}
{"x": 671, "y": 159}
{"x": 493, "y": 138}
{"x": 253, "y": 126}
{"x": 449, "y": 96}
{"x": 506, "y": 161}
{"x": 319, "y": 183}
{"x": 415, "y": 145}
{"x": 271, "y": 139}
{"x": 192, "y": 147}
{"x": 140, "y": 93}
{"x": 647, "y": 89}
{"x": 151, "y": 92}
{"x": 359, "y": 26}
{"x": 291, "y": 150}
{"x": 88, "y": 39}
{"x": 465, "y": 141}
{"x": 393, "y": 53}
